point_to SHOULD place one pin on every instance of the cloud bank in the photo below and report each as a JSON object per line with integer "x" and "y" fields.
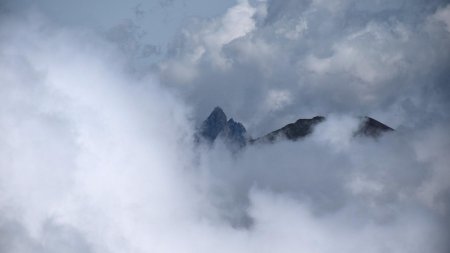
{"x": 283, "y": 59}
{"x": 95, "y": 159}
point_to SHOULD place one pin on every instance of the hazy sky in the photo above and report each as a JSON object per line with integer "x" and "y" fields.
{"x": 99, "y": 103}
{"x": 158, "y": 20}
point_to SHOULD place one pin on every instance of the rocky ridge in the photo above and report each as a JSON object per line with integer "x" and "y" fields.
{"x": 234, "y": 133}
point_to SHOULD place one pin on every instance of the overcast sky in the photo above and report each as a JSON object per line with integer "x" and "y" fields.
{"x": 157, "y": 20}
{"x": 100, "y": 100}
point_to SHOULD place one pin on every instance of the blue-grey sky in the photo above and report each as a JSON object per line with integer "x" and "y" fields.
{"x": 158, "y": 20}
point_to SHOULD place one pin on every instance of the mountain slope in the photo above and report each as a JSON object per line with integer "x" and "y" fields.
{"x": 232, "y": 132}
{"x": 292, "y": 131}
{"x": 217, "y": 126}
{"x": 371, "y": 127}
{"x": 213, "y": 125}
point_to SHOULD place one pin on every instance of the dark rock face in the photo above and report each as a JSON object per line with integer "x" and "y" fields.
{"x": 234, "y": 132}
{"x": 235, "y": 135}
{"x": 293, "y": 131}
{"x": 372, "y": 128}
{"x": 217, "y": 126}
{"x": 213, "y": 125}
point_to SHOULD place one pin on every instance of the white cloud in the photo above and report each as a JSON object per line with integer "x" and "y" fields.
{"x": 277, "y": 99}
{"x": 95, "y": 160}
{"x": 367, "y": 58}
{"x": 443, "y": 15}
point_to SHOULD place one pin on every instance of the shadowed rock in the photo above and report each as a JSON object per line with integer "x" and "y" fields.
{"x": 217, "y": 126}
{"x": 235, "y": 135}
{"x": 234, "y": 132}
{"x": 372, "y": 128}
{"x": 292, "y": 131}
{"x": 213, "y": 125}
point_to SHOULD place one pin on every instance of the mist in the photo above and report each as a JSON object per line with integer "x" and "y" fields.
{"x": 97, "y": 158}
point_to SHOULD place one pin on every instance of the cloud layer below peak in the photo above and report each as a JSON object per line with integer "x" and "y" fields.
{"x": 94, "y": 158}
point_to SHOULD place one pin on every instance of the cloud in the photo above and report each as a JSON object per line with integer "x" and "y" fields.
{"x": 332, "y": 184}
{"x": 443, "y": 15}
{"x": 80, "y": 138}
{"x": 359, "y": 58}
{"x": 96, "y": 159}
{"x": 209, "y": 38}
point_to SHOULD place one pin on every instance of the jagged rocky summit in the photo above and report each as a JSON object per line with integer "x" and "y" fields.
{"x": 292, "y": 131}
{"x": 217, "y": 125}
{"x": 234, "y": 133}
{"x": 372, "y": 128}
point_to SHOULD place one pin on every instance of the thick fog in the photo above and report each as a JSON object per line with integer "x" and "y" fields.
{"x": 98, "y": 157}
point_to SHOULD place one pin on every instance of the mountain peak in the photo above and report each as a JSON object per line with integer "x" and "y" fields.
{"x": 214, "y": 124}
{"x": 372, "y": 127}
{"x": 217, "y": 125}
{"x": 217, "y": 111}
{"x": 234, "y": 133}
{"x": 293, "y": 131}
